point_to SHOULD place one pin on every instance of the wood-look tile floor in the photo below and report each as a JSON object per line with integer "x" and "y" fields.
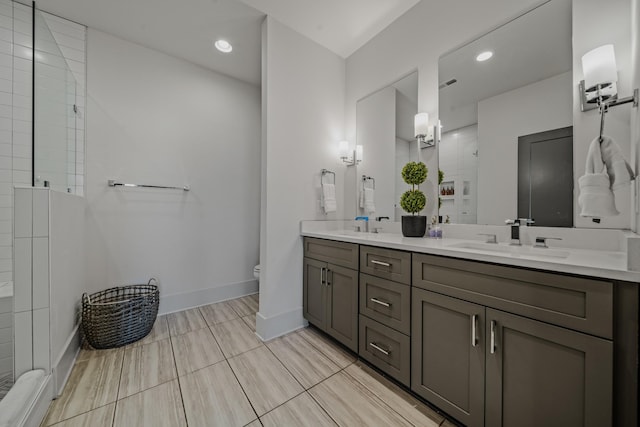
{"x": 206, "y": 367}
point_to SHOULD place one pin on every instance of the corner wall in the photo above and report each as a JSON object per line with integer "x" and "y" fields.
{"x": 613, "y": 26}
{"x": 156, "y": 119}
{"x": 303, "y": 86}
{"x": 635, "y": 113}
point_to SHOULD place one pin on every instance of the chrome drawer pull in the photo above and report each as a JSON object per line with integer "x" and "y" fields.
{"x": 322, "y": 275}
{"x": 474, "y": 330}
{"x": 377, "y": 301}
{"x": 380, "y": 349}
{"x": 493, "y": 336}
{"x": 384, "y": 264}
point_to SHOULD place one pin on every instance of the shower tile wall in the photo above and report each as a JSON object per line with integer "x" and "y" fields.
{"x": 15, "y": 118}
{"x": 15, "y": 150}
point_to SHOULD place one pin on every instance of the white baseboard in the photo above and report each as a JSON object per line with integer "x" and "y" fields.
{"x": 268, "y": 328}
{"x": 183, "y": 301}
{"x": 62, "y": 367}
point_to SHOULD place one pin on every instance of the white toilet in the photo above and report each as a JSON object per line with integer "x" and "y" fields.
{"x": 256, "y": 273}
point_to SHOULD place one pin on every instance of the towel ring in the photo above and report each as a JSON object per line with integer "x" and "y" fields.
{"x": 324, "y": 172}
{"x": 369, "y": 178}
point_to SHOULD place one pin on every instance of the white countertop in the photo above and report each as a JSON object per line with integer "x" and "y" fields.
{"x": 586, "y": 262}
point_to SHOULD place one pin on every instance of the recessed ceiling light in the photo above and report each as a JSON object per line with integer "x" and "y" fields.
{"x": 223, "y": 46}
{"x": 484, "y": 56}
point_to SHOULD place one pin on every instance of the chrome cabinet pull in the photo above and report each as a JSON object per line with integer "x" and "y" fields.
{"x": 493, "y": 337}
{"x": 322, "y": 275}
{"x": 380, "y": 349}
{"x": 328, "y": 282}
{"x": 377, "y": 301}
{"x": 384, "y": 264}
{"x": 474, "y": 330}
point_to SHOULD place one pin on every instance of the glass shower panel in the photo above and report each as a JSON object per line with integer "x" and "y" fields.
{"x": 55, "y": 113}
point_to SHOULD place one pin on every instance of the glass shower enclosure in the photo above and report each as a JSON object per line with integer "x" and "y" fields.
{"x": 41, "y": 145}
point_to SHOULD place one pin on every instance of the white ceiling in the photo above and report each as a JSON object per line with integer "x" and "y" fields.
{"x": 187, "y": 28}
{"x": 531, "y": 48}
{"x": 342, "y": 26}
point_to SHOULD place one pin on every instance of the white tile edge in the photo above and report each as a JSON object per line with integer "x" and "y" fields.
{"x": 40, "y": 405}
{"x": 268, "y": 328}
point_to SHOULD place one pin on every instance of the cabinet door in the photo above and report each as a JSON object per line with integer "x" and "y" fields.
{"x": 544, "y": 375}
{"x": 448, "y": 355}
{"x": 342, "y": 305}
{"x": 313, "y": 292}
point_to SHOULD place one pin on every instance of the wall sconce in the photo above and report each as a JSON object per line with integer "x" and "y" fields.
{"x": 350, "y": 156}
{"x": 424, "y": 134}
{"x": 599, "y": 88}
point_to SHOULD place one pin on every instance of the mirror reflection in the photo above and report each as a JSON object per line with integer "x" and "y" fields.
{"x": 385, "y": 127}
{"x": 506, "y": 109}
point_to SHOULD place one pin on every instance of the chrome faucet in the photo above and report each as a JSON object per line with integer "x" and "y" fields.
{"x": 364, "y": 227}
{"x": 378, "y": 219}
{"x": 515, "y": 229}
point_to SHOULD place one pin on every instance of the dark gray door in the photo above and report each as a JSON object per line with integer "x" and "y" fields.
{"x": 342, "y": 305}
{"x": 545, "y": 177}
{"x": 313, "y": 293}
{"x": 447, "y": 355}
{"x": 544, "y": 375}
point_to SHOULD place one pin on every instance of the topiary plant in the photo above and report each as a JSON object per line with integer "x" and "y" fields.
{"x": 414, "y": 200}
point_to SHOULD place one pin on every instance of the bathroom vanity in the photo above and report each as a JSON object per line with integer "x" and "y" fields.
{"x": 490, "y": 338}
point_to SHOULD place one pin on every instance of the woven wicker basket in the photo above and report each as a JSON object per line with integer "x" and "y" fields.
{"x": 119, "y": 316}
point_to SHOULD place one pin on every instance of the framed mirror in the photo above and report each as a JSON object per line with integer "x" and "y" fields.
{"x": 384, "y": 121}
{"x": 506, "y": 110}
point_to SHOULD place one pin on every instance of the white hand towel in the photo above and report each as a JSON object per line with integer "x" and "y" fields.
{"x": 329, "y": 198}
{"x": 369, "y": 204}
{"x": 619, "y": 171}
{"x": 361, "y": 199}
{"x": 596, "y": 197}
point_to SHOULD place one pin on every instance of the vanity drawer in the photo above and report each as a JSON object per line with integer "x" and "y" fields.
{"x": 386, "y": 263}
{"x": 385, "y": 348}
{"x": 385, "y": 301}
{"x": 339, "y": 253}
{"x": 578, "y": 303}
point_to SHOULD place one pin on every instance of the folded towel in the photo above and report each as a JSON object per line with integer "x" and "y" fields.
{"x": 329, "y": 198}
{"x": 619, "y": 171}
{"x": 369, "y": 205}
{"x": 596, "y": 197}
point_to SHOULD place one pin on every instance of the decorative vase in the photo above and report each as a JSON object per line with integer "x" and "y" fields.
{"x": 414, "y": 225}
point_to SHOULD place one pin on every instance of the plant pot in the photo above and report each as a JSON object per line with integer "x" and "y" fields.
{"x": 414, "y": 225}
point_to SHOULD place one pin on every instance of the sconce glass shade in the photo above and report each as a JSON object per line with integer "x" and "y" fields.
{"x": 421, "y": 124}
{"x": 343, "y": 149}
{"x": 599, "y": 66}
{"x": 359, "y": 153}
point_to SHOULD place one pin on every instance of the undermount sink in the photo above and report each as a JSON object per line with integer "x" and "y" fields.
{"x": 512, "y": 250}
{"x": 348, "y": 233}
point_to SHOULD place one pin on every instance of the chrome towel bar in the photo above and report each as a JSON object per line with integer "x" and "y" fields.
{"x": 114, "y": 183}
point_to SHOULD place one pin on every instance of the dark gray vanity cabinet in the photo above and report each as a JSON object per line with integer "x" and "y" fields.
{"x": 501, "y": 346}
{"x": 385, "y": 310}
{"x": 448, "y": 354}
{"x": 330, "y": 288}
{"x": 543, "y": 375}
